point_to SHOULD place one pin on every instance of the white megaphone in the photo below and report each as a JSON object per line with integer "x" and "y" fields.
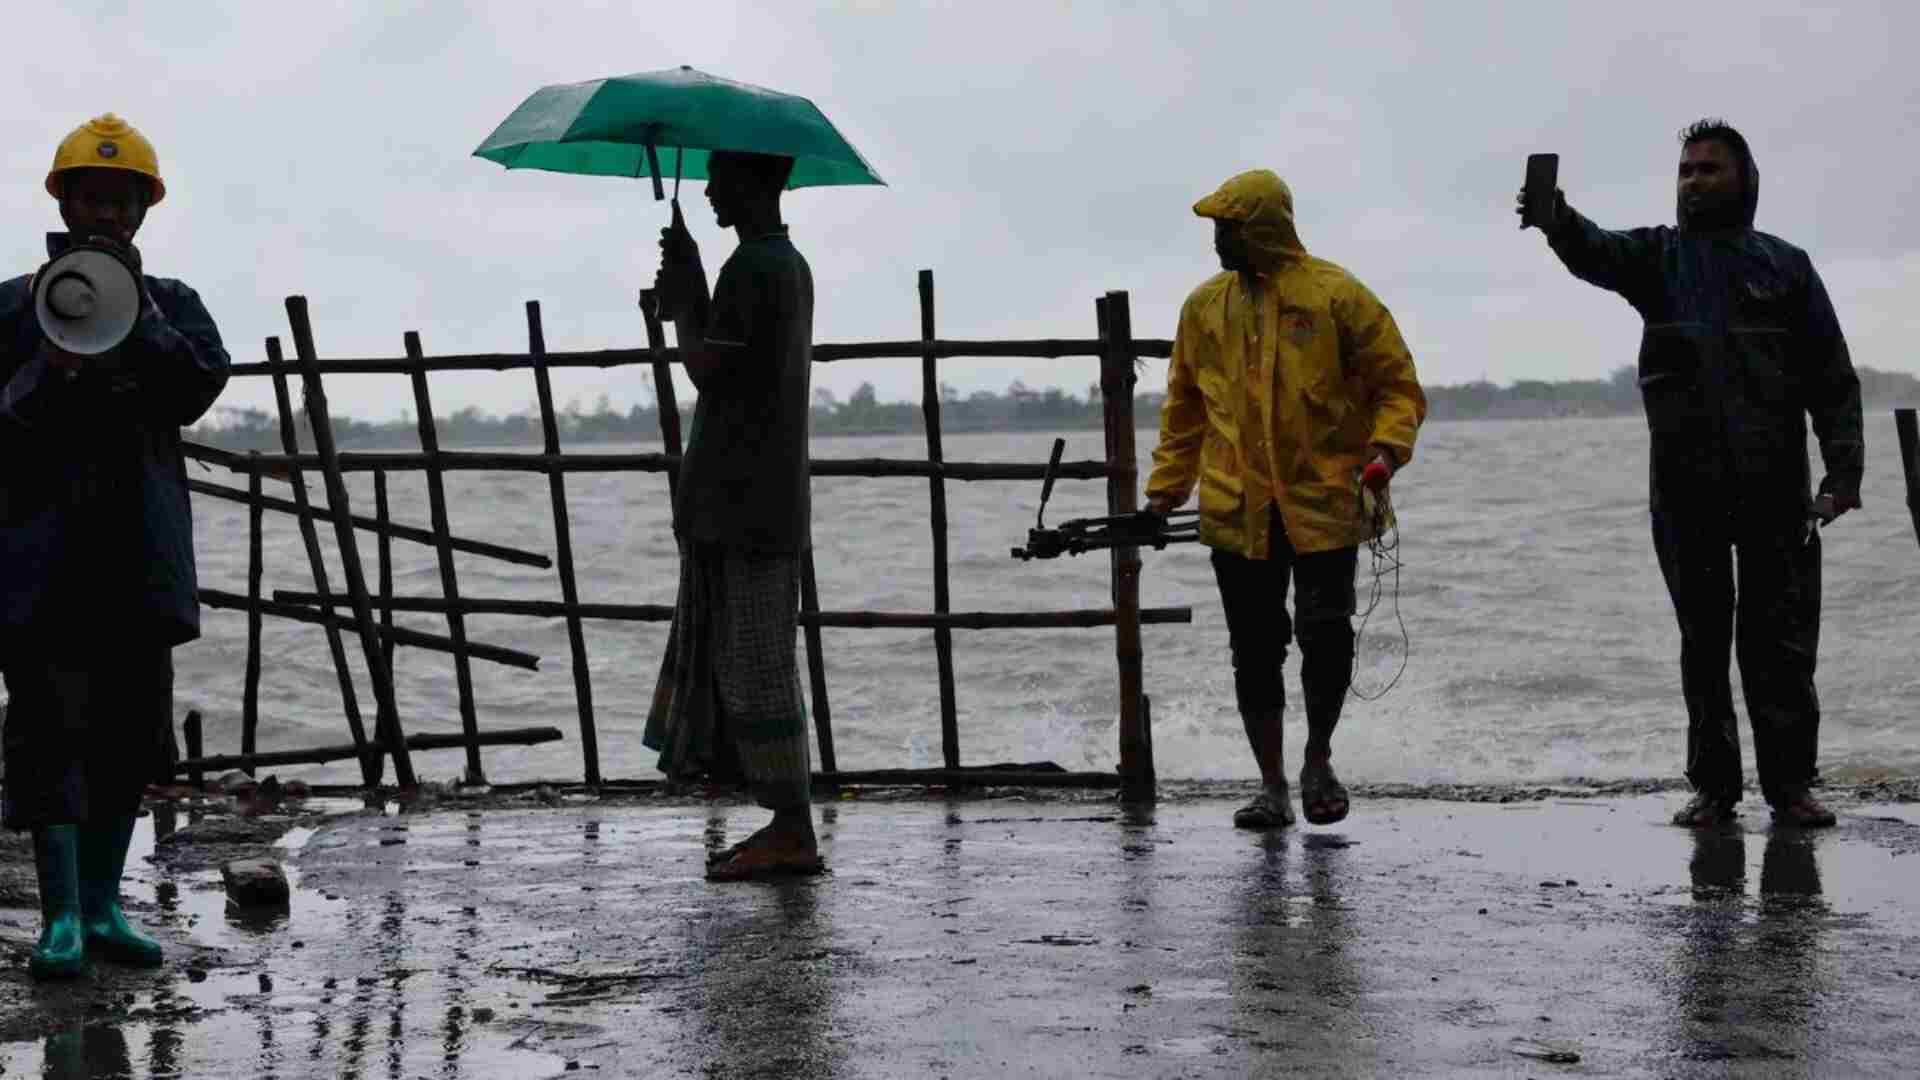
{"x": 86, "y": 299}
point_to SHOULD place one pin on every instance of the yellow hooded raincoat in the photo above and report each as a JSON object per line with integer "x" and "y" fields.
{"x": 1276, "y": 395}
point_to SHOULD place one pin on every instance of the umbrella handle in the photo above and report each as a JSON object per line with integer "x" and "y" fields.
{"x": 653, "y": 169}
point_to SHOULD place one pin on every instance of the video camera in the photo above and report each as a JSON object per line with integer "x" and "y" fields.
{"x": 1142, "y": 528}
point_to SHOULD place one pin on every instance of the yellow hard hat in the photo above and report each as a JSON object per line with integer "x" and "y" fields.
{"x": 107, "y": 142}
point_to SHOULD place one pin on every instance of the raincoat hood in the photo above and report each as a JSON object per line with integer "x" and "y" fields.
{"x": 1749, "y": 194}
{"x": 1262, "y": 202}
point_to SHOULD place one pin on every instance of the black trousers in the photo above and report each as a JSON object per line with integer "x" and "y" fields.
{"x": 1762, "y": 607}
{"x": 1254, "y": 594}
{"x": 83, "y": 738}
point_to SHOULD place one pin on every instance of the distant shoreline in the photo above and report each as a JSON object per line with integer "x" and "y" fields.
{"x": 1019, "y": 410}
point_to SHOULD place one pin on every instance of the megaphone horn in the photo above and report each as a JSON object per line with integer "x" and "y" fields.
{"x": 86, "y": 300}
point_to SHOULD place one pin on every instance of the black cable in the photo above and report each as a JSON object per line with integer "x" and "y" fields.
{"x": 1383, "y": 550}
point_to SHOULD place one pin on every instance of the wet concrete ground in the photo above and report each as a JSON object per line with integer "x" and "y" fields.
{"x": 1018, "y": 936}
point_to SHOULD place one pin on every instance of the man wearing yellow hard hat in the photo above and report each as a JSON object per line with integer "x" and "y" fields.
{"x": 1290, "y": 387}
{"x": 97, "y": 580}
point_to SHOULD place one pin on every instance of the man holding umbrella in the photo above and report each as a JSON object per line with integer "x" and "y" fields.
{"x": 729, "y": 703}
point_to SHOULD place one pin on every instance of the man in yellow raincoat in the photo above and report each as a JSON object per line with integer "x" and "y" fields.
{"x": 1288, "y": 379}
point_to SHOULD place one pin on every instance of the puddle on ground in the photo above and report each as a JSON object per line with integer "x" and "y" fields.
{"x": 247, "y": 1005}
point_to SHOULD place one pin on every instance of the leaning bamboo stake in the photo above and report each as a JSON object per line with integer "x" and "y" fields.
{"x": 1116, "y": 392}
{"x": 220, "y": 599}
{"x": 250, "y": 691}
{"x": 320, "y": 755}
{"x": 666, "y": 405}
{"x": 371, "y": 766}
{"x": 449, "y": 576}
{"x": 388, "y": 713}
{"x": 388, "y": 530}
{"x": 937, "y": 490}
{"x": 563, "y": 544}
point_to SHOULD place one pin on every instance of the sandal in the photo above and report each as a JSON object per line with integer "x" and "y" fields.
{"x": 1265, "y": 812}
{"x": 1706, "y": 811}
{"x": 1323, "y": 798}
{"x": 1803, "y": 811}
{"x": 766, "y": 864}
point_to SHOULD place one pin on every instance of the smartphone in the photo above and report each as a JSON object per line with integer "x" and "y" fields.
{"x": 1542, "y": 186}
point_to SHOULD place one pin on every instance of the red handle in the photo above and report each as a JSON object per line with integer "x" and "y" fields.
{"x": 1375, "y": 476}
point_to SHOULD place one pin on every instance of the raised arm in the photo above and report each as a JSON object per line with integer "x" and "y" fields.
{"x": 1622, "y": 261}
{"x": 710, "y": 329}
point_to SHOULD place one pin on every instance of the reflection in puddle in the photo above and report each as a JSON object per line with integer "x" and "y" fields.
{"x": 237, "y": 1000}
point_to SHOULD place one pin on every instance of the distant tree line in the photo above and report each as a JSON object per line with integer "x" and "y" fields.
{"x": 1020, "y": 408}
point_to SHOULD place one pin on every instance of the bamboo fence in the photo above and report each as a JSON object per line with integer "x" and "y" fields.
{"x": 351, "y": 615}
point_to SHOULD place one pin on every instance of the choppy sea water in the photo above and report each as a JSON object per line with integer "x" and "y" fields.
{"x": 1542, "y": 643}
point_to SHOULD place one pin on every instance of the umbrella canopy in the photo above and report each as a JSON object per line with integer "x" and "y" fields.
{"x": 611, "y": 127}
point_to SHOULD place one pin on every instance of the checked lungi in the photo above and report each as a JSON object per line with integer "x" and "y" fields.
{"x": 728, "y": 706}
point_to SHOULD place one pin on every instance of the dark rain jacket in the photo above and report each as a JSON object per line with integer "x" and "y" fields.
{"x": 96, "y": 534}
{"x": 1741, "y": 346}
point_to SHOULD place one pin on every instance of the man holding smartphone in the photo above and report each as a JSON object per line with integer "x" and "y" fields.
{"x": 1741, "y": 346}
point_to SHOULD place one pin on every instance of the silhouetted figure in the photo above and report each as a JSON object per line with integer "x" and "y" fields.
{"x": 1288, "y": 377}
{"x": 1741, "y": 345}
{"x": 97, "y": 577}
{"x": 728, "y": 704}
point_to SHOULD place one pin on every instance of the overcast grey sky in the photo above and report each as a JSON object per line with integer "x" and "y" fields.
{"x": 1038, "y": 153}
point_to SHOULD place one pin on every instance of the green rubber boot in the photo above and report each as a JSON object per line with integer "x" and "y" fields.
{"x": 103, "y": 858}
{"x": 62, "y": 950}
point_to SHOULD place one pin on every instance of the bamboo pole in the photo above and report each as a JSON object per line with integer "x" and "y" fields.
{"x": 1116, "y": 392}
{"x": 449, "y": 575}
{"x": 221, "y": 600}
{"x": 1908, "y": 431}
{"x": 191, "y": 734}
{"x": 367, "y": 524}
{"x": 839, "y": 620}
{"x": 937, "y": 491}
{"x": 250, "y": 691}
{"x": 666, "y": 405}
{"x": 384, "y": 553}
{"x": 1023, "y": 349}
{"x": 816, "y": 661}
{"x": 371, "y": 766}
{"x": 387, "y": 712}
{"x": 490, "y": 461}
{"x": 320, "y": 755}
{"x": 973, "y": 778}
{"x": 563, "y": 544}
